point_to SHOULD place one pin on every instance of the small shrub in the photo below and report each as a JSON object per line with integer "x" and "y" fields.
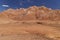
{"x": 39, "y": 22}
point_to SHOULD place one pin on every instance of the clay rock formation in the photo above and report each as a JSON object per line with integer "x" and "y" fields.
{"x": 32, "y": 13}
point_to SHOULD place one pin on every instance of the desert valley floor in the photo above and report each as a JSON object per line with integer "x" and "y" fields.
{"x": 30, "y": 30}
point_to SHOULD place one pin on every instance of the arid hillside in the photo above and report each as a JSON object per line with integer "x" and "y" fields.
{"x": 32, "y": 13}
{"x": 33, "y": 23}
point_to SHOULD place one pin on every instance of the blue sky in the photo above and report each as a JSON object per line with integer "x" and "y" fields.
{"x": 5, "y": 4}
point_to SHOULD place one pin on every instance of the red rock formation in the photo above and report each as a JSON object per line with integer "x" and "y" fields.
{"x": 32, "y": 13}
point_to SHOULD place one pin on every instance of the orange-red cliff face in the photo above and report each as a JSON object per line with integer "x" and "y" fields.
{"x": 32, "y": 13}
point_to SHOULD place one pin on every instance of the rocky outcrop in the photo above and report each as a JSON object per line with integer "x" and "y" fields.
{"x": 32, "y": 13}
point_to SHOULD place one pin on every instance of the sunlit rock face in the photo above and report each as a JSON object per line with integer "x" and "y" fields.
{"x": 32, "y": 13}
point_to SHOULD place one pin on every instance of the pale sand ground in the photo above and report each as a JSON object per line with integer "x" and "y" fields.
{"x": 29, "y": 31}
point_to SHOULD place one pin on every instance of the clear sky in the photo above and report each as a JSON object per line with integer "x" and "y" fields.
{"x": 5, "y": 4}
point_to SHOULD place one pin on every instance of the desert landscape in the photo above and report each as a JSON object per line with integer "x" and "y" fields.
{"x": 33, "y": 23}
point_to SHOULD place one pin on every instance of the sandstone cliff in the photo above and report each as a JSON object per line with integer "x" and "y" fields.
{"x": 32, "y": 13}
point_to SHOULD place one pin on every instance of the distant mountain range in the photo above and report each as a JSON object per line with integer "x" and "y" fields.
{"x": 32, "y": 13}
